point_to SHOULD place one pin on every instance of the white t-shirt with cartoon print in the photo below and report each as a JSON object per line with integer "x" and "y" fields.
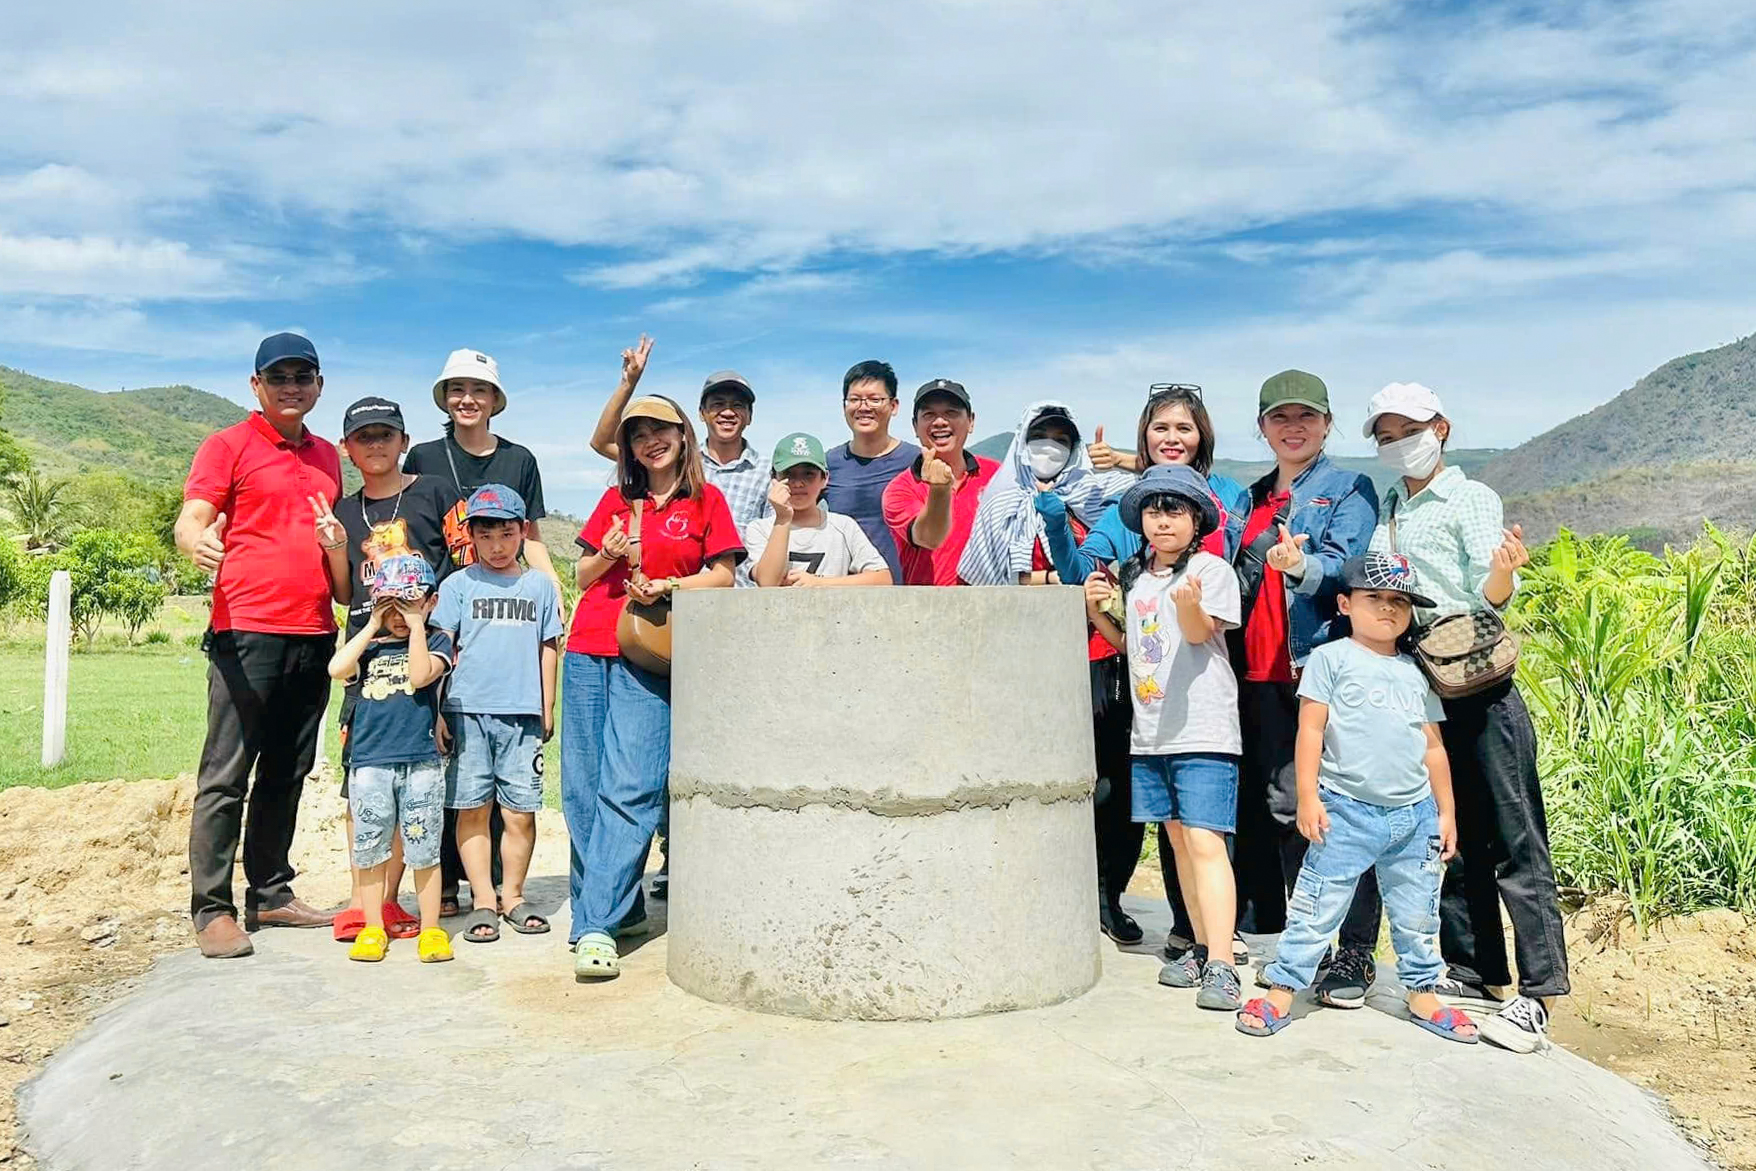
{"x": 1185, "y": 696}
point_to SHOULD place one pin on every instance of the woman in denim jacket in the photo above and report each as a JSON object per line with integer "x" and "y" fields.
{"x": 1306, "y": 518}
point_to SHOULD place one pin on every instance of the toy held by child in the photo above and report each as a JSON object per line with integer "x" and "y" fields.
{"x": 1374, "y": 792}
{"x": 396, "y": 782}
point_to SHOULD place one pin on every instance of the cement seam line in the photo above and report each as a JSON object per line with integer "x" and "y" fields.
{"x": 884, "y": 802}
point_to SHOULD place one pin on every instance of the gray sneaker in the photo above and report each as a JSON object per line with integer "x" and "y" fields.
{"x": 1522, "y": 1026}
{"x": 1220, "y": 989}
{"x": 1181, "y": 972}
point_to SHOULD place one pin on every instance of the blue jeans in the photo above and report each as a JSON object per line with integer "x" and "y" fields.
{"x": 615, "y": 765}
{"x": 1403, "y": 845}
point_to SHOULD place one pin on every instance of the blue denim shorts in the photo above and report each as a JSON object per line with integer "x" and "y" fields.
{"x": 1198, "y": 789}
{"x": 383, "y": 797}
{"x": 495, "y": 758}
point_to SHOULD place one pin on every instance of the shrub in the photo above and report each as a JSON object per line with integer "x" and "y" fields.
{"x": 113, "y": 576}
{"x": 157, "y": 637}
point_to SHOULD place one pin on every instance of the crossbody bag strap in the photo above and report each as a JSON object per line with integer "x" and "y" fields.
{"x": 634, "y": 536}
{"x": 1253, "y": 559}
{"x": 1393, "y": 502}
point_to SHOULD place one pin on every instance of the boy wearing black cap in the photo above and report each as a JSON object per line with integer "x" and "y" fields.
{"x": 1374, "y": 789}
{"x": 394, "y": 513}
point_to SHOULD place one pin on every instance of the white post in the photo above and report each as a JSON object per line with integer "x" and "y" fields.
{"x": 322, "y": 746}
{"x": 55, "y": 645}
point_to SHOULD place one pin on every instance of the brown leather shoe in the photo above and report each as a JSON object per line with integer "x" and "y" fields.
{"x": 223, "y": 939}
{"x": 297, "y": 913}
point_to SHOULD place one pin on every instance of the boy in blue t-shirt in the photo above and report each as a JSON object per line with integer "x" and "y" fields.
{"x": 499, "y": 707}
{"x": 395, "y": 779}
{"x": 1374, "y": 791}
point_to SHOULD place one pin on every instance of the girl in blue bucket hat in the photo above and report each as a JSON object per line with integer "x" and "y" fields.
{"x": 1177, "y": 601}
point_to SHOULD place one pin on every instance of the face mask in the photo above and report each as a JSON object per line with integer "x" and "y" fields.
{"x": 1415, "y": 456}
{"x": 1047, "y": 457}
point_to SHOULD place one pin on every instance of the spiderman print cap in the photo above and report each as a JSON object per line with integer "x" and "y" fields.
{"x": 1384, "y": 571}
{"x": 494, "y": 502}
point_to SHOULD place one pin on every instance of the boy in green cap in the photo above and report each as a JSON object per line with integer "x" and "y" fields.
{"x": 803, "y": 543}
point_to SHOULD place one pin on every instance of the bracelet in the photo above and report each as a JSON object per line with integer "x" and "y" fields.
{"x": 337, "y": 545}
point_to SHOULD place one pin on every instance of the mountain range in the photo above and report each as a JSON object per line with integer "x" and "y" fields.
{"x": 1676, "y": 448}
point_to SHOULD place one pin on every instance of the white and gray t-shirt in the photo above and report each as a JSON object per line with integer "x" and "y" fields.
{"x": 835, "y": 546}
{"x": 1185, "y": 696}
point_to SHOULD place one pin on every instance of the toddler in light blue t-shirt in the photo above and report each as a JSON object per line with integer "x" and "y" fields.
{"x": 1374, "y": 790}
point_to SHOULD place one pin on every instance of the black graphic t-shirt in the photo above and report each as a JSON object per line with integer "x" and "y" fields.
{"x": 384, "y": 528}
{"x": 509, "y": 464}
{"x": 393, "y": 723}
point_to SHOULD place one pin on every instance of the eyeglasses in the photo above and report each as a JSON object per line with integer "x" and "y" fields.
{"x": 302, "y": 378}
{"x": 1174, "y": 390}
{"x": 876, "y": 402}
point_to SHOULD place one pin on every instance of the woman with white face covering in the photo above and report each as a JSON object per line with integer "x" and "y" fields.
{"x": 1451, "y": 529}
{"x": 1046, "y": 492}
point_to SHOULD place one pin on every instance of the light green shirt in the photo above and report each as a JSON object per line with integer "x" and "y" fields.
{"x": 1448, "y": 532}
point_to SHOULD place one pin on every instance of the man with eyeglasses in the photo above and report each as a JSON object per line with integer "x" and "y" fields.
{"x": 861, "y": 468}
{"x": 247, "y": 520}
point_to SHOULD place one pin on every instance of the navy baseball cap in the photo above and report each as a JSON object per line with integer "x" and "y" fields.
{"x": 281, "y": 346}
{"x": 494, "y": 502}
{"x": 371, "y": 412}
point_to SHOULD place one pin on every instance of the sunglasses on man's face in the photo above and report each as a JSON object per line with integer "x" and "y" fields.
{"x": 302, "y": 378}
{"x": 1174, "y": 390}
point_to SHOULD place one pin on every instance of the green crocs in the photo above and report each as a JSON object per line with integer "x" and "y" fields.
{"x": 595, "y": 958}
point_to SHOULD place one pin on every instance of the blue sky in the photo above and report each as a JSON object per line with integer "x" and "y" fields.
{"x": 1525, "y": 206}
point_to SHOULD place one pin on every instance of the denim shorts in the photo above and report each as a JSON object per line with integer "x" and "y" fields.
{"x": 1198, "y": 789}
{"x": 495, "y": 759}
{"x": 383, "y": 797}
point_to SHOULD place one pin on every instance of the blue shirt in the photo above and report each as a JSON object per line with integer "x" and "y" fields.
{"x": 1375, "y": 744}
{"x": 856, "y": 489}
{"x": 393, "y": 723}
{"x": 501, "y": 621}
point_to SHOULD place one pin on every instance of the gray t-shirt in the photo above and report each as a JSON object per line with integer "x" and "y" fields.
{"x": 501, "y": 621}
{"x": 1185, "y": 695}
{"x": 1375, "y": 744}
{"x": 834, "y": 547}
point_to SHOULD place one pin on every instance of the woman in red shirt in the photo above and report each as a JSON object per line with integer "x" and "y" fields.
{"x": 616, "y": 717}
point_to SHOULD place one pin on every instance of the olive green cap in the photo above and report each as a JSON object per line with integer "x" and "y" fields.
{"x": 1293, "y": 386}
{"x": 799, "y": 448}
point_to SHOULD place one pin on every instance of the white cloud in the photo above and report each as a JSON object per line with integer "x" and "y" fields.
{"x": 110, "y": 270}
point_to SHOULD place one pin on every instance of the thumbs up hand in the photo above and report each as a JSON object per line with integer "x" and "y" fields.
{"x": 1103, "y": 456}
{"x": 1288, "y": 555}
{"x": 210, "y": 547}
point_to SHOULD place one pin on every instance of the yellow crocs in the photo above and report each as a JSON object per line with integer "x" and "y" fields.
{"x": 370, "y": 945}
{"x": 434, "y": 946}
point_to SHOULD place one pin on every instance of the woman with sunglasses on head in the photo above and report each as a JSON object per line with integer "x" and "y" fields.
{"x": 1174, "y": 429}
{"x": 1451, "y": 529}
{"x": 1306, "y": 519}
{"x": 616, "y": 715}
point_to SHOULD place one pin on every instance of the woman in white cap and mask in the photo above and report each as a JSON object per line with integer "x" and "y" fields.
{"x": 467, "y": 456}
{"x": 1452, "y": 530}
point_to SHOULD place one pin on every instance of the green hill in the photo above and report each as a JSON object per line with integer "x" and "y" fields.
{"x": 150, "y": 434}
{"x": 1693, "y": 409}
{"x": 1652, "y": 506}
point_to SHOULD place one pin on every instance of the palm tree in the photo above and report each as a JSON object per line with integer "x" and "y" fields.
{"x": 38, "y": 509}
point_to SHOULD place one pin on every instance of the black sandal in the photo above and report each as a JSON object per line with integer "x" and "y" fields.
{"x": 521, "y": 914}
{"x": 479, "y": 918}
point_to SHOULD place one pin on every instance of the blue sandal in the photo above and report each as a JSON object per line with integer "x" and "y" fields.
{"x": 1445, "y": 1023}
{"x": 1273, "y": 1020}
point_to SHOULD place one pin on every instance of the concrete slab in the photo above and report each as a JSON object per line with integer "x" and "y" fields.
{"x": 297, "y": 1059}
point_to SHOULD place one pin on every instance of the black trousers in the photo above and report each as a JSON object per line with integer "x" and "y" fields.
{"x": 1112, "y": 805}
{"x": 1269, "y": 849}
{"x": 1502, "y": 849}
{"x": 266, "y": 695}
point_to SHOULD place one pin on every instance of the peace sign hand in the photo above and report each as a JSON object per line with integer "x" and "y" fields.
{"x": 634, "y": 362}
{"x": 330, "y": 532}
{"x": 1288, "y": 555}
{"x": 1510, "y": 554}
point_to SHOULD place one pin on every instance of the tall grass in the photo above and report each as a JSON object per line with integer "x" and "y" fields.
{"x": 1642, "y": 671}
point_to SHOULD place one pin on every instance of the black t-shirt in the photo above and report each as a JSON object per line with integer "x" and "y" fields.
{"x": 413, "y": 523}
{"x": 509, "y": 464}
{"x": 393, "y": 723}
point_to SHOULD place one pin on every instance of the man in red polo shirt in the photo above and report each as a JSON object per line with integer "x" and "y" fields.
{"x": 931, "y": 506}
{"x": 248, "y": 519}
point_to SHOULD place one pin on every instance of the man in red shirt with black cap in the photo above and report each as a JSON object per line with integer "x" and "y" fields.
{"x": 248, "y": 519}
{"x": 931, "y": 507}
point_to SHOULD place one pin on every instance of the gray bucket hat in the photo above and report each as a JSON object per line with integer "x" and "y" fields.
{"x": 1174, "y": 480}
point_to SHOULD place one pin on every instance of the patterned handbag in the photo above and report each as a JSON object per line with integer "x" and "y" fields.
{"x": 1462, "y": 654}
